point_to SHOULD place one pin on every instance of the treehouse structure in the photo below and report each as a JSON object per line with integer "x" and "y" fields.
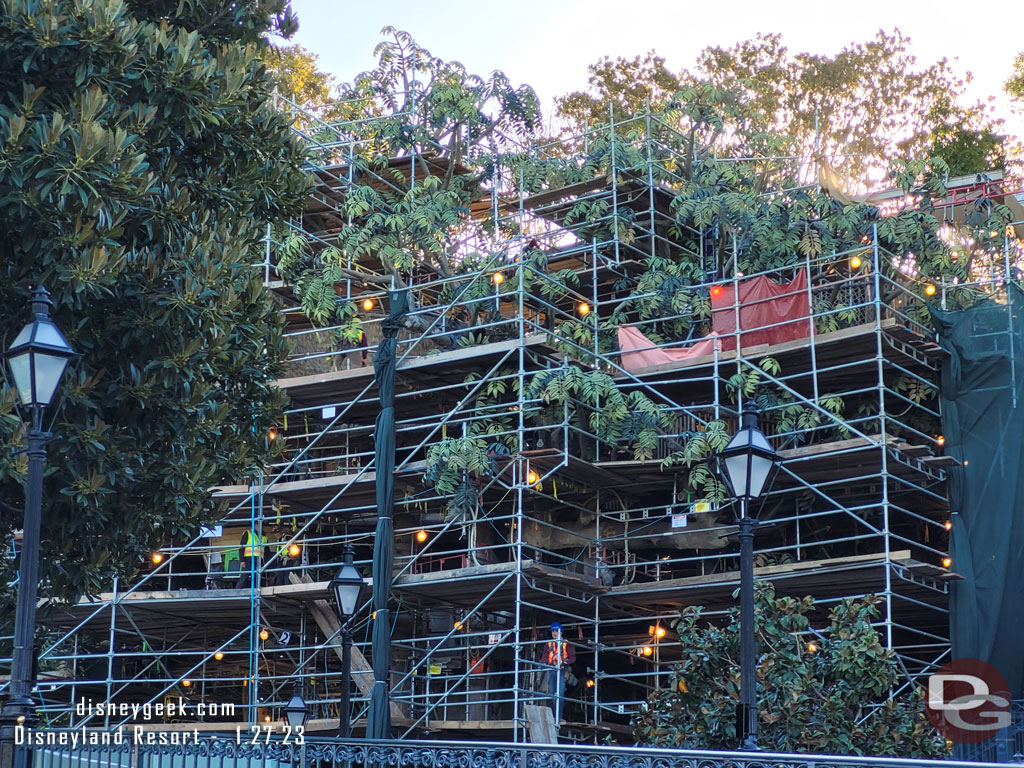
{"x": 553, "y": 436}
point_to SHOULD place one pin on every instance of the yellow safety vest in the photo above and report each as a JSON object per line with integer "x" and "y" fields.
{"x": 251, "y": 550}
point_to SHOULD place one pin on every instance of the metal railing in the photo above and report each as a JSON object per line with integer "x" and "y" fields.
{"x": 260, "y": 749}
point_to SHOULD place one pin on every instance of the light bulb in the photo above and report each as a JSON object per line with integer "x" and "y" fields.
{"x": 367, "y": 305}
{"x": 812, "y": 647}
{"x": 186, "y": 683}
{"x": 947, "y": 561}
{"x": 157, "y": 558}
{"x": 532, "y": 478}
{"x": 264, "y": 634}
{"x": 949, "y": 525}
{"x": 421, "y": 536}
{"x": 940, "y": 440}
{"x": 498, "y": 278}
{"x": 294, "y": 550}
{"x": 647, "y": 650}
{"x": 218, "y": 655}
{"x": 583, "y": 308}
{"x": 929, "y": 290}
{"x": 272, "y": 433}
{"x": 855, "y": 262}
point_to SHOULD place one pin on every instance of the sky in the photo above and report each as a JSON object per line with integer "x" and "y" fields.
{"x": 549, "y": 43}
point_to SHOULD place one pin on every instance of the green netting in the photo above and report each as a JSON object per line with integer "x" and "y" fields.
{"x": 983, "y": 422}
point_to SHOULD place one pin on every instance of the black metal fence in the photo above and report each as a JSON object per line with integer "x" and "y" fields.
{"x": 185, "y": 749}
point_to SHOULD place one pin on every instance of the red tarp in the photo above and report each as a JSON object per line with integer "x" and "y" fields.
{"x": 640, "y": 352}
{"x": 762, "y": 303}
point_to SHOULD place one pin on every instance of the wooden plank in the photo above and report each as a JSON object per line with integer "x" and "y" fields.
{"x": 315, "y": 483}
{"x": 412, "y": 362}
{"x": 541, "y": 724}
{"x": 760, "y": 350}
{"x": 764, "y": 572}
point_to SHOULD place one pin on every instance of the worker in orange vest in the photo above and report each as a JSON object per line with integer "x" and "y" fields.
{"x": 558, "y": 655}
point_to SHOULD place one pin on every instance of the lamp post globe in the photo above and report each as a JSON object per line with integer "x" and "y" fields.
{"x": 38, "y": 356}
{"x": 295, "y": 711}
{"x": 747, "y": 464}
{"x": 347, "y": 586}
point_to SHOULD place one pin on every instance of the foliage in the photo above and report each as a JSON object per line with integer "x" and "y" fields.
{"x": 626, "y": 86}
{"x": 294, "y": 73}
{"x": 841, "y": 696}
{"x": 867, "y": 104}
{"x": 1015, "y": 84}
{"x": 134, "y": 186}
{"x": 966, "y": 138}
{"x": 596, "y": 405}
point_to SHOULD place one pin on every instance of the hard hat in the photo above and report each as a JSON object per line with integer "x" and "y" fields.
{"x": 555, "y": 626}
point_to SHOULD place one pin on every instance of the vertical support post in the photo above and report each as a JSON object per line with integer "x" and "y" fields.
{"x": 111, "y": 650}
{"x": 20, "y": 708}
{"x": 615, "y": 181}
{"x": 876, "y": 266}
{"x": 748, "y": 649}
{"x": 345, "y": 718}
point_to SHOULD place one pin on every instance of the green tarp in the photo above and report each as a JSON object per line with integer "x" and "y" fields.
{"x": 983, "y": 423}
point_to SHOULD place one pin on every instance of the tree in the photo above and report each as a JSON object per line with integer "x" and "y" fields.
{"x": 1015, "y": 85}
{"x": 140, "y": 163}
{"x": 294, "y": 73}
{"x": 626, "y": 86}
{"x": 866, "y": 105}
{"x": 836, "y": 691}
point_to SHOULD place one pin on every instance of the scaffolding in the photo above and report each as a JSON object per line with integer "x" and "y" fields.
{"x": 517, "y": 503}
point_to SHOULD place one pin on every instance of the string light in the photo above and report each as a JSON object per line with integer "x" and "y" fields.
{"x": 949, "y": 525}
{"x": 421, "y": 536}
{"x": 294, "y": 550}
{"x": 532, "y": 478}
{"x": 940, "y": 440}
{"x": 186, "y": 683}
{"x": 272, "y": 432}
{"x": 812, "y": 647}
{"x": 458, "y": 625}
{"x": 498, "y": 278}
{"x": 367, "y": 305}
{"x": 266, "y": 718}
{"x": 717, "y": 291}
{"x": 656, "y": 631}
{"x": 583, "y": 308}
{"x": 855, "y": 262}
{"x": 590, "y": 682}
{"x": 947, "y": 561}
{"x": 264, "y": 634}
{"x": 929, "y": 290}
{"x": 647, "y": 650}
{"x": 219, "y": 655}
{"x": 157, "y": 558}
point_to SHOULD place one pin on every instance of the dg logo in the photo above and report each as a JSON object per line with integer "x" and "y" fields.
{"x": 968, "y": 701}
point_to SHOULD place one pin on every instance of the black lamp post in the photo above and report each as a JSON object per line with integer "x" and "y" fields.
{"x": 747, "y": 465}
{"x": 347, "y": 587}
{"x": 295, "y": 711}
{"x": 37, "y": 360}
